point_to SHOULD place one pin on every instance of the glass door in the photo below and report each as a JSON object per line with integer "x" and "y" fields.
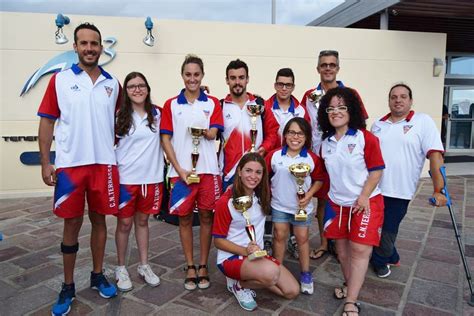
{"x": 460, "y": 127}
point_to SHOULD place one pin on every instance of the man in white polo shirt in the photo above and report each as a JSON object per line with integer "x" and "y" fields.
{"x": 406, "y": 140}
{"x": 82, "y": 100}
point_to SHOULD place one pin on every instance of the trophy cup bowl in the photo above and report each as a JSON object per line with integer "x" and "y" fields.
{"x": 300, "y": 171}
{"x": 241, "y": 205}
{"x": 196, "y": 133}
{"x": 255, "y": 109}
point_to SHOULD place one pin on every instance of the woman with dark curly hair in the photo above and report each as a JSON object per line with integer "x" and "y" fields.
{"x": 140, "y": 163}
{"x": 354, "y": 212}
{"x": 235, "y": 249}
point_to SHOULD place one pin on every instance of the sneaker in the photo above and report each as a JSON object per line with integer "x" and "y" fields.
{"x": 148, "y": 275}
{"x": 230, "y": 284}
{"x": 245, "y": 297}
{"x": 306, "y": 281}
{"x": 383, "y": 271}
{"x": 100, "y": 283}
{"x": 293, "y": 247}
{"x": 396, "y": 264}
{"x": 63, "y": 304}
{"x": 122, "y": 277}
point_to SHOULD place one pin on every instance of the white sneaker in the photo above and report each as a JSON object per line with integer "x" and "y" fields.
{"x": 122, "y": 277}
{"x": 245, "y": 297}
{"x": 230, "y": 284}
{"x": 306, "y": 283}
{"x": 148, "y": 275}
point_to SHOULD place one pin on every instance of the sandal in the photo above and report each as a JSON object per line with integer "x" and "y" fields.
{"x": 317, "y": 253}
{"x": 341, "y": 292}
{"x": 347, "y": 312}
{"x": 190, "y": 284}
{"x": 204, "y": 285}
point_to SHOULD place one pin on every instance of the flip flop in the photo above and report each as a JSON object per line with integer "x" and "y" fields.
{"x": 317, "y": 253}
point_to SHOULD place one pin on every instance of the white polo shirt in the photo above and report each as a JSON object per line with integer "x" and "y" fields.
{"x": 405, "y": 146}
{"x": 283, "y": 184}
{"x": 230, "y": 224}
{"x": 282, "y": 116}
{"x": 178, "y": 114}
{"x": 348, "y": 162}
{"x": 85, "y": 114}
{"x": 139, "y": 154}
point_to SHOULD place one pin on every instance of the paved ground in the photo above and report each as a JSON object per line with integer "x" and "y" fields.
{"x": 430, "y": 281}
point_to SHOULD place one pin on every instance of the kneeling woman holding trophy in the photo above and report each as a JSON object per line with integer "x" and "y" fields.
{"x": 188, "y": 130}
{"x": 239, "y": 222}
{"x": 296, "y": 174}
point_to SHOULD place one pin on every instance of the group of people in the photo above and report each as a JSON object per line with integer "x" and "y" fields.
{"x": 111, "y": 144}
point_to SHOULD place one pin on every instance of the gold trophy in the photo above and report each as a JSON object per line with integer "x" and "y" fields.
{"x": 241, "y": 204}
{"x": 196, "y": 133}
{"x": 254, "y": 110}
{"x": 300, "y": 171}
{"x": 315, "y": 96}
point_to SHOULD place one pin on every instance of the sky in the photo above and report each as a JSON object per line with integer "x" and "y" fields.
{"x": 296, "y": 12}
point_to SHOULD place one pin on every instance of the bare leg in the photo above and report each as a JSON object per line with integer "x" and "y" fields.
{"x": 142, "y": 235}
{"x": 71, "y": 229}
{"x": 98, "y": 239}
{"x": 302, "y": 239}
{"x": 124, "y": 225}
{"x": 344, "y": 257}
{"x": 360, "y": 255}
{"x": 280, "y": 235}
{"x": 320, "y": 217}
{"x": 205, "y": 238}
{"x": 263, "y": 273}
{"x": 186, "y": 235}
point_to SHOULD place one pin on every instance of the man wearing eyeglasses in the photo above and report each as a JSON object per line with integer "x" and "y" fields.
{"x": 328, "y": 68}
{"x": 283, "y": 104}
{"x": 82, "y": 100}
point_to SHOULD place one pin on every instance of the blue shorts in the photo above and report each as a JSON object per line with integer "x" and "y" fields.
{"x": 282, "y": 217}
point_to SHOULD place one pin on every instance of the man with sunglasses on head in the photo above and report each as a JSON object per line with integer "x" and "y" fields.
{"x": 328, "y": 68}
{"x": 82, "y": 100}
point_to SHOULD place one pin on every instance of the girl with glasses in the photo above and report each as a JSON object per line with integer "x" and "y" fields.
{"x": 140, "y": 163}
{"x": 285, "y": 201}
{"x": 354, "y": 212}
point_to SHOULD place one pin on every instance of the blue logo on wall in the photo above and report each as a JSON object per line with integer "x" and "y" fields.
{"x": 64, "y": 61}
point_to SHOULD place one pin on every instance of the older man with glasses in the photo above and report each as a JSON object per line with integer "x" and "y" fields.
{"x": 328, "y": 68}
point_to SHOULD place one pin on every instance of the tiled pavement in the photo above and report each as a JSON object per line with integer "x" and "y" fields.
{"x": 430, "y": 280}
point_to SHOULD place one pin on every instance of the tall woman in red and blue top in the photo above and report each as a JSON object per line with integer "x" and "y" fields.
{"x": 192, "y": 108}
{"x": 354, "y": 212}
{"x": 140, "y": 163}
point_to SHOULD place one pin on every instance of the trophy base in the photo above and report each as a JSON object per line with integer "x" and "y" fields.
{"x": 193, "y": 179}
{"x": 257, "y": 255}
{"x": 301, "y": 217}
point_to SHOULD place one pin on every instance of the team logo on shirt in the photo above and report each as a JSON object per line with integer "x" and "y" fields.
{"x": 206, "y": 112}
{"x": 351, "y": 147}
{"x": 228, "y": 116}
{"x": 109, "y": 90}
{"x": 406, "y": 128}
{"x": 75, "y": 88}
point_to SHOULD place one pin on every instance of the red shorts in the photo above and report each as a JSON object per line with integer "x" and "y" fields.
{"x": 98, "y": 183}
{"x": 365, "y": 228}
{"x": 183, "y": 197}
{"x": 143, "y": 198}
{"x": 232, "y": 265}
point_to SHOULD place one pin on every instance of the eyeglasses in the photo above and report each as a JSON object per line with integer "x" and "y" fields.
{"x": 140, "y": 86}
{"x": 281, "y": 85}
{"x": 329, "y": 53}
{"x": 326, "y": 65}
{"x": 341, "y": 108}
{"x": 294, "y": 133}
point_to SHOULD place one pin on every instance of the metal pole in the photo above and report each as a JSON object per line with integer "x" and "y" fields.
{"x": 273, "y": 11}
{"x": 384, "y": 20}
